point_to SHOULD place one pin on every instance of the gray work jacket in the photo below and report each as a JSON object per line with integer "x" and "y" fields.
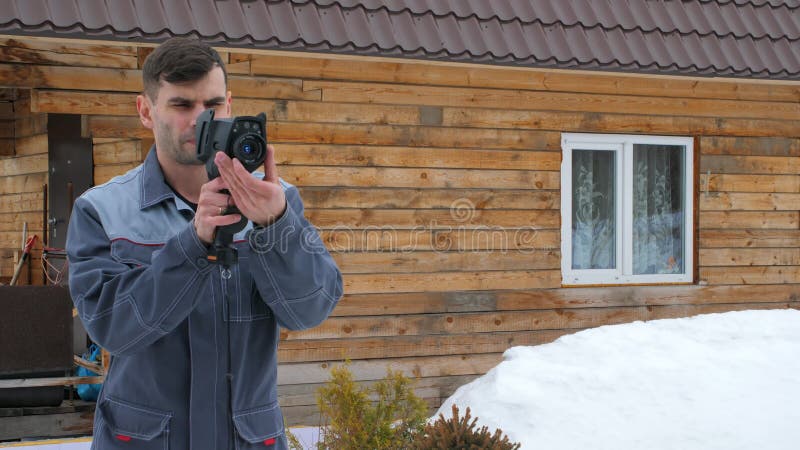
{"x": 146, "y": 292}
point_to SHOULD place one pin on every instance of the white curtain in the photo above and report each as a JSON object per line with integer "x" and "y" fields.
{"x": 593, "y": 210}
{"x": 658, "y": 209}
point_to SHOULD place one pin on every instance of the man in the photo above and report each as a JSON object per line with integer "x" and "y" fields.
{"x": 193, "y": 345}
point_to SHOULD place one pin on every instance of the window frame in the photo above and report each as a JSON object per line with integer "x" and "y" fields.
{"x": 622, "y": 145}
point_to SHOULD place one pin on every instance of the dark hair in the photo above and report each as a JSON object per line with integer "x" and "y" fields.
{"x": 179, "y": 60}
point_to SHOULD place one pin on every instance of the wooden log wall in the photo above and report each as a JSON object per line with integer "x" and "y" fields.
{"x": 436, "y": 188}
{"x": 23, "y": 174}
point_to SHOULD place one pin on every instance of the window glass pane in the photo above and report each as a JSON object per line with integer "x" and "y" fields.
{"x": 658, "y": 209}
{"x": 594, "y": 227}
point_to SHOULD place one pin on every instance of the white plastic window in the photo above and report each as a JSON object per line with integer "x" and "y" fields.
{"x": 626, "y": 209}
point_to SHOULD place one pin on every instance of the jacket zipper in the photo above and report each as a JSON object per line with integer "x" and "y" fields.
{"x": 225, "y": 275}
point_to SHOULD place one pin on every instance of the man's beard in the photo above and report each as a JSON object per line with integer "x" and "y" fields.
{"x": 177, "y": 149}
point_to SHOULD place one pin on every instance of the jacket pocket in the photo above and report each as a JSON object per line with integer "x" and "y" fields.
{"x": 124, "y": 425}
{"x": 260, "y": 428}
{"x": 133, "y": 253}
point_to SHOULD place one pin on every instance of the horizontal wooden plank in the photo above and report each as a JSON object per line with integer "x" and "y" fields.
{"x": 97, "y": 141}
{"x": 749, "y": 183}
{"x": 741, "y": 201}
{"x": 440, "y": 261}
{"x": 382, "y": 156}
{"x": 750, "y": 219}
{"x": 50, "y": 381}
{"x": 31, "y": 182}
{"x": 651, "y": 297}
{"x": 407, "y": 346}
{"x": 510, "y": 99}
{"x": 419, "y": 177}
{"x": 750, "y": 164}
{"x": 466, "y": 324}
{"x": 238, "y": 63}
{"x": 30, "y": 126}
{"x": 67, "y": 53}
{"x": 75, "y": 405}
{"x": 23, "y": 165}
{"x": 751, "y": 275}
{"x": 363, "y": 370}
{"x": 421, "y": 219}
{"x": 389, "y": 238}
{"x": 39, "y": 76}
{"x": 302, "y": 111}
{"x": 124, "y": 151}
{"x": 10, "y": 218}
{"x": 414, "y": 136}
{"x": 615, "y": 122}
{"x": 106, "y": 172}
{"x": 749, "y": 238}
{"x": 31, "y": 145}
{"x": 324, "y": 197}
{"x": 124, "y": 104}
{"x": 47, "y": 425}
{"x": 75, "y": 78}
{"x": 451, "y": 281}
{"x": 487, "y": 76}
{"x": 84, "y": 102}
{"x": 749, "y": 257}
{"x": 270, "y": 88}
{"x": 461, "y": 324}
{"x": 11, "y": 225}
{"x": 749, "y": 146}
{"x": 392, "y": 303}
{"x": 395, "y": 135}
{"x": 31, "y": 201}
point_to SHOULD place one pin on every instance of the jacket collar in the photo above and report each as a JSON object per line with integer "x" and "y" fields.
{"x": 154, "y": 189}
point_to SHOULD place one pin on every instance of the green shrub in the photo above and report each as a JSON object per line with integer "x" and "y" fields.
{"x": 353, "y": 421}
{"x": 460, "y": 433}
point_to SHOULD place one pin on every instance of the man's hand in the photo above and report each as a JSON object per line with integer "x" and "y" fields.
{"x": 210, "y": 207}
{"x": 261, "y": 201}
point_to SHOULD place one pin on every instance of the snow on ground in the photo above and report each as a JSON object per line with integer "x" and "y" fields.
{"x": 713, "y": 382}
{"x": 718, "y": 381}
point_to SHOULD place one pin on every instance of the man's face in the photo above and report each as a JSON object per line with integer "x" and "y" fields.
{"x": 173, "y": 114}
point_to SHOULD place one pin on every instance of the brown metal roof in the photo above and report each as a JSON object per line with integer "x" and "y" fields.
{"x": 738, "y": 38}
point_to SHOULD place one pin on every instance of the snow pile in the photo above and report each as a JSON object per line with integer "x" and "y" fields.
{"x": 719, "y": 381}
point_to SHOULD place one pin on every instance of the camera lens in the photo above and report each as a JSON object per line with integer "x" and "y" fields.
{"x": 250, "y": 149}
